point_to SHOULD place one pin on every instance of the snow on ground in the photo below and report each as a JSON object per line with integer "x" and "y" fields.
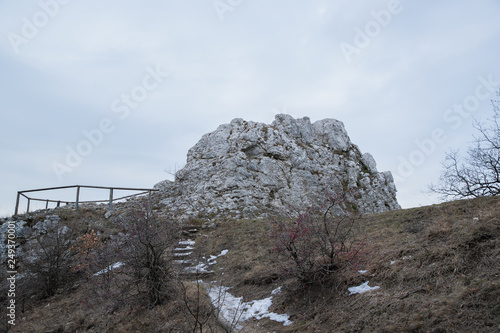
{"x": 182, "y": 261}
{"x": 234, "y": 310}
{"x": 109, "y": 268}
{"x": 200, "y": 268}
{"x": 187, "y": 242}
{"x": 212, "y": 261}
{"x": 276, "y": 291}
{"x": 183, "y": 254}
{"x": 363, "y": 288}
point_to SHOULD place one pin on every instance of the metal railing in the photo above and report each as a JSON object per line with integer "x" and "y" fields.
{"x": 77, "y": 200}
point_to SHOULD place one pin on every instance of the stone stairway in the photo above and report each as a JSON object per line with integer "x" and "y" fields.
{"x": 192, "y": 265}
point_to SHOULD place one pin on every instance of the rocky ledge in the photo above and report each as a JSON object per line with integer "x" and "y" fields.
{"x": 245, "y": 169}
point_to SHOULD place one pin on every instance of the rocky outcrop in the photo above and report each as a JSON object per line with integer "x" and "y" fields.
{"x": 26, "y": 236}
{"x": 245, "y": 168}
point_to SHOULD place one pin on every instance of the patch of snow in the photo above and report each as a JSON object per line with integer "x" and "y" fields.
{"x": 362, "y": 271}
{"x": 182, "y": 254}
{"x": 260, "y": 309}
{"x": 200, "y": 268}
{"x": 182, "y": 261}
{"x": 233, "y": 309}
{"x": 109, "y": 268}
{"x": 211, "y": 260}
{"x": 187, "y": 242}
{"x": 363, "y": 288}
{"x": 276, "y": 291}
{"x": 393, "y": 262}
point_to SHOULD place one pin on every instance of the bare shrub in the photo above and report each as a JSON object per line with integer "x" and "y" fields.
{"x": 49, "y": 257}
{"x": 146, "y": 249}
{"x": 198, "y": 308}
{"x": 319, "y": 244}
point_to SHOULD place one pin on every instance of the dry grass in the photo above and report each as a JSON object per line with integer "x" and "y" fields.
{"x": 82, "y": 309}
{"x": 249, "y": 261}
{"x": 444, "y": 277}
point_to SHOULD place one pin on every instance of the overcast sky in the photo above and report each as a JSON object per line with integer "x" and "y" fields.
{"x": 114, "y": 92}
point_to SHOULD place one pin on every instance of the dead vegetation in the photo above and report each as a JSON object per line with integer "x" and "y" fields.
{"x": 438, "y": 268}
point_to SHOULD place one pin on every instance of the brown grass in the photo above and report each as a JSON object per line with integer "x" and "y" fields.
{"x": 249, "y": 260}
{"x": 445, "y": 278}
{"x": 83, "y": 310}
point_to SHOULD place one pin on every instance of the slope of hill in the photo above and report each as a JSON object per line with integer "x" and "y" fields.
{"x": 437, "y": 268}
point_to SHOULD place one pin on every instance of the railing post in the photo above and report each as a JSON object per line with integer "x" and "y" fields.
{"x": 17, "y": 203}
{"x": 59, "y": 203}
{"x": 150, "y": 206}
{"x": 28, "y": 208}
{"x": 110, "y": 199}
{"x": 47, "y": 204}
{"x": 77, "y": 196}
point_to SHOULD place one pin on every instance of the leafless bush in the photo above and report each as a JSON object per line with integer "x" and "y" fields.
{"x": 319, "y": 244}
{"x": 146, "y": 251}
{"x": 49, "y": 258}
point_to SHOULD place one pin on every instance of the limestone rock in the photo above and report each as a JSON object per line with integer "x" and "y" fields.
{"x": 244, "y": 169}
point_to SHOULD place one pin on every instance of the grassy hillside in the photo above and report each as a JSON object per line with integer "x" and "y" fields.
{"x": 438, "y": 269}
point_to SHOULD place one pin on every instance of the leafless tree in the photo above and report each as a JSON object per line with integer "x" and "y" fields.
{"x": 478, "y": 173}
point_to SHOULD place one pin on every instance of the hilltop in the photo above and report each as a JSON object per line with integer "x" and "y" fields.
{"x": 437, "y": 269}
{"x": 245, "y": 169}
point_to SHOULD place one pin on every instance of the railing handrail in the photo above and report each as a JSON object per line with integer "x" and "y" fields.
{"x": 77, "y": 201}
{"x": 90, "y": 186}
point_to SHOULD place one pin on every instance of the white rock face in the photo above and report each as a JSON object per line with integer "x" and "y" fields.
{"x": 246, "y": 168}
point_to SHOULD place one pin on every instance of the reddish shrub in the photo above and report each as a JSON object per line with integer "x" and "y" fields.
{"x": 321, "y": 243}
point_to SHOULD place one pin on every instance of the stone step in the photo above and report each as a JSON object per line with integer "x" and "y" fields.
{"x": 184, "y": 263}
{"x": 184, "y": 249}
{"x": 196, "y": 275}
{"x": 184, "y": 227}
{"x": 188, "y": 230}
{"x": 183, "y": 256}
